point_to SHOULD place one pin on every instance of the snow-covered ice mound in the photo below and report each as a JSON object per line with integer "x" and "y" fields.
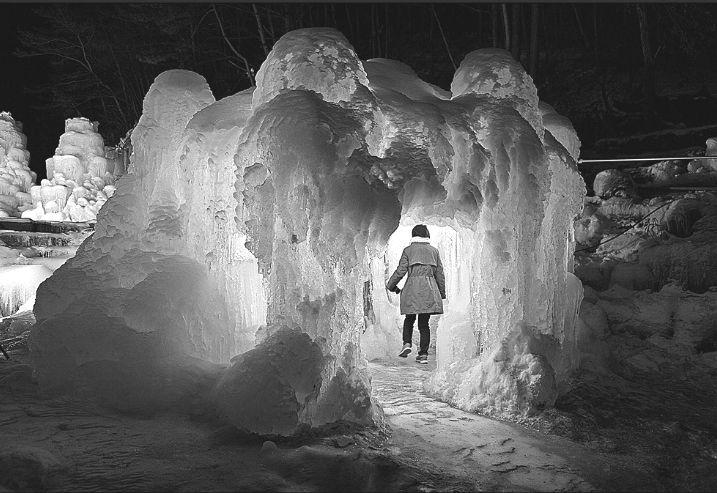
{"x": 261, "y": 220}
{"x": 79, "y": 177}
{"x": 16, "y": 178}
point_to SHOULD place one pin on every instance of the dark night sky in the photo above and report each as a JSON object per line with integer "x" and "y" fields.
{"x": 567, "y": 77}
{"x": 13, "y": 97}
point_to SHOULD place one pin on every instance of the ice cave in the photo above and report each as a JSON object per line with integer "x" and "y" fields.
{"x": 233, "y": 269}
{"x": 260, "y": 229}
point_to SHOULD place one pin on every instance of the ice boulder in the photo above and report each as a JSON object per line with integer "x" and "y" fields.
{"x": 16, "y": 178}
{"x": 79, "y": 177}
{"x": 261, "y": 226}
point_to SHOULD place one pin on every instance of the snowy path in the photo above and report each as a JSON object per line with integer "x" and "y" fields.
{"x": 493, "y": 455}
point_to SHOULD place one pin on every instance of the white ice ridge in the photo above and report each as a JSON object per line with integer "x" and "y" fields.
{"x": 261, "y": 226}
{"x": 79, "y": 177}
{"x": 16, "y": 178}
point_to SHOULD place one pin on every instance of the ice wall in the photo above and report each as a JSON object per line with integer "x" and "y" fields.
{"x": 134, "y": 319}
{"x": 261, "y": 226}
{"x": 79, "y": 177}
{"x": 16, "y": 178}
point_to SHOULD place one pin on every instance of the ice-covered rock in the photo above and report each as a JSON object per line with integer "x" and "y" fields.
{"x": 613, "y": 183}
{"x": 16, "y": 178}
{"x": 79, "y": 177}
{"x": 267, "y": 218}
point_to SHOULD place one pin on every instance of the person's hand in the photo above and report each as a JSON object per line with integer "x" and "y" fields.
{"x": 397, "y": 290}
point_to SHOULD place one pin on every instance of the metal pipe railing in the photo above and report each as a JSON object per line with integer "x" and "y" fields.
{"x": 618, "y": 160}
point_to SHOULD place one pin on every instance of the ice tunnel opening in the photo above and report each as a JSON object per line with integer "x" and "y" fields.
{"x": 452, "y": 333}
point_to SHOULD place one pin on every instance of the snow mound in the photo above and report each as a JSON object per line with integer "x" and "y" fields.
{"x": 259, "y": 225}
{"x": 313, "y": 59}
{"x": 16, "y": 178}
{"x": 399, "y": 77}
{"x": 495, "y": 73}
{"x": 268, "y": 388}
{"x": 79, "y": 177}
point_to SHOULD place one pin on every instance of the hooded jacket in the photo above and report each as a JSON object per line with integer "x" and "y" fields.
{"x": 425, "y": 287}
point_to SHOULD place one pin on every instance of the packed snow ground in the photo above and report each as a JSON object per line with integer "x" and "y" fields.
{"x": 60, "y": 445}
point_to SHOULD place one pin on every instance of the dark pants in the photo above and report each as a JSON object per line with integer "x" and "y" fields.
{"x": 422, "y": 328}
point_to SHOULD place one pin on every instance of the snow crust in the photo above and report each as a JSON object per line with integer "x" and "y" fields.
{"x": 262, "y": 226}
{"x": 79, "y": 177}
{"x": 16, "y": 178}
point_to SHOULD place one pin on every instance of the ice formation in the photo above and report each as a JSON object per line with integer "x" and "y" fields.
{"x": 261, "y": 226}
{"x": 16, "y": 178}
{"x": 18, "y": 285}
{"x": 79, "y": 177}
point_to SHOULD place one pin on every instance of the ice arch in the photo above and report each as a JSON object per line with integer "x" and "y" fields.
{"x": 255, "y": 225}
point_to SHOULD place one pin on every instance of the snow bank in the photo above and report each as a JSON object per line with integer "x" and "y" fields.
{"x": 645, "y": 332}
{"x": 79, "y": 177}
{"x": 650, "y": 300}
{"x": 263, "y": 220}
{"x": 16, "y": 178}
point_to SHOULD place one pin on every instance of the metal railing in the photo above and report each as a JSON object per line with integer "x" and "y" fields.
{"x": 632, "y": 159}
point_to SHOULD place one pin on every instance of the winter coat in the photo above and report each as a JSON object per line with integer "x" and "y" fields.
{"x": 425, "y": 286}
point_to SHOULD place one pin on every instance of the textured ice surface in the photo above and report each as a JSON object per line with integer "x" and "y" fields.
{"x": 261, "y": 226}
{"x": 79, "y": 177}
{"x": 16, "y": 178}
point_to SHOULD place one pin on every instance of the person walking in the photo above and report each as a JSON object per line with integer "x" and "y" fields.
{"x": 424, "y": 291}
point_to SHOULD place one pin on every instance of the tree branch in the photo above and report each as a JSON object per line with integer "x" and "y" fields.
{"x": 260, "y": 29}
{"x": 231, "y": 47}
{"x": 445, "y": 41}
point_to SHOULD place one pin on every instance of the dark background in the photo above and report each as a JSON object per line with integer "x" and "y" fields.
{"x": 633, "y": 78}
